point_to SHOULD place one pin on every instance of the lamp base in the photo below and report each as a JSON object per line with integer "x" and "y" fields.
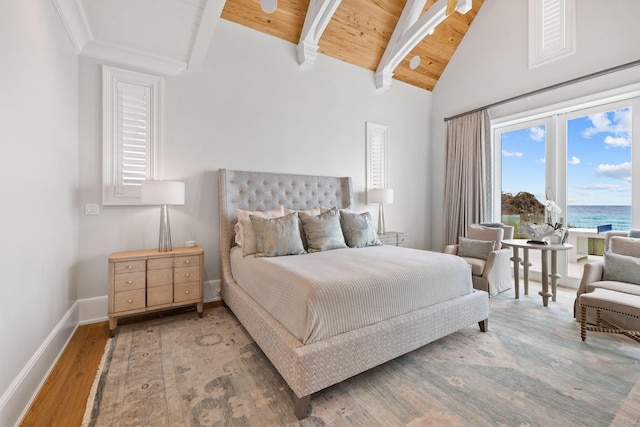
{"x": 381, "y": 220}
{"x": 164, "y": 240}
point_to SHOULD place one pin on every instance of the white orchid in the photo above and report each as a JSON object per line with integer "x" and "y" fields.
{"x": 552, "y": 208}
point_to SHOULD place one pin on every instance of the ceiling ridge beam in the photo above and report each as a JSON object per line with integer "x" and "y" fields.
{"x": 318, "y": 16}
{"x": 411, "y": 30}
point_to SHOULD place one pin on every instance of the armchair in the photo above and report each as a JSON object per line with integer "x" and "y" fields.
{"x": 490, "y": 264}
{"x": 619, "y": 271}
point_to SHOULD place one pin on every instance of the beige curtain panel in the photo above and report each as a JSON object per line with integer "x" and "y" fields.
{"x": 467, "y": 175}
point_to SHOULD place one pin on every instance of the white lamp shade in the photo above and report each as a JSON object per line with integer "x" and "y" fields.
{"x": 162, "y": 193}
{"x": 381, "y": 196}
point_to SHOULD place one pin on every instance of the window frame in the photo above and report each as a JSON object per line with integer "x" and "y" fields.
{"x": 112, "y": 79}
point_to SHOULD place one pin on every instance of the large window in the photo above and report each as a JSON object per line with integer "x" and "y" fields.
{"x": 580, "y": 157}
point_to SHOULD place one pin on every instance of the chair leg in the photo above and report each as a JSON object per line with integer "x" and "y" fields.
{"x": 583, "y": 323}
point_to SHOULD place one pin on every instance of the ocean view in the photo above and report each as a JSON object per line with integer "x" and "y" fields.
{"x": 592, "y": 216}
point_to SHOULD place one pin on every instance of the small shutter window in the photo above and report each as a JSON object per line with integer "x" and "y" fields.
{"x": 132, "y": 108}
{"x": 551, "y": 30}
{"x": 134, "y": 155}
{"x": 377, "y": 162}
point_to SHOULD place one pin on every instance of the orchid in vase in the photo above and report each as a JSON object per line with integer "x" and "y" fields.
{"x": 553, "y": 210}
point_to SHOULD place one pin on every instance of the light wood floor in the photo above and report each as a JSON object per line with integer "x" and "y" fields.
{"x": 63, "y": 397}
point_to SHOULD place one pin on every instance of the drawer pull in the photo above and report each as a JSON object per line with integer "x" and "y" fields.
{"x": 130, "y": 301}
{"x": 187, "y": 275}
{"x": 130, "y": 267}
{"x": 186, "y": 292}
{"x": 129, "y": 281}
{"x": 187, "y": 262}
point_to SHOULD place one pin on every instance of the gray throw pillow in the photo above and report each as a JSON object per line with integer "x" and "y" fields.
{"x": 621, "y": 268}
{"x": 277, "y": 236}
{"x": 323, "y": 231}
{"x": 474, "y": 248}
{"x": 358, "y": 230}
{"x": 635, "y": 233}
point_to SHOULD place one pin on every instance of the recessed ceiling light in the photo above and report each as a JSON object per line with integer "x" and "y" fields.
{"x": 415, "y": 62}
{"x": 269, "y": 6}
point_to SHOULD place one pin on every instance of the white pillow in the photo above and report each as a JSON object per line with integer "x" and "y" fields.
{"x": 245, "y": 237}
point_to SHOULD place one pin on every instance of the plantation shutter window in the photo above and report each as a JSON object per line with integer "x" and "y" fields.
{"x": 134, "y": 156}
{"x": 377, "y": 162}
{"x": 131, "y": 134}
{"x": 551, "y": 30}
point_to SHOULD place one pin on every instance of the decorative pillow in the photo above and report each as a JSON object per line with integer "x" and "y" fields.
{"x": 621, "y": 268}
{"x": 277, "y": 236}
{"x": 635, "y": 233}
{"x": 473, "y": 248}
{"x": 245, "y": 237}
{"x": 323, "y": 231}
{"x": 313, "y": 212}
{"x": 358, "y": 229}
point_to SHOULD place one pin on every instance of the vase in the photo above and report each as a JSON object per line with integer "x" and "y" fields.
{"x": 555, "y": 239}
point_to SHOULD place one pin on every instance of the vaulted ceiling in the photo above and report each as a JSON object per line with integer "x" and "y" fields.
{"x": 406, "y": 40}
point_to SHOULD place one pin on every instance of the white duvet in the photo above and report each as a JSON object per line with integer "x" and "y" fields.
{"x": 322, "y": 294}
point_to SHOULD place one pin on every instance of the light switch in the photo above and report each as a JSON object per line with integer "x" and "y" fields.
{"x": 91, "y": 209}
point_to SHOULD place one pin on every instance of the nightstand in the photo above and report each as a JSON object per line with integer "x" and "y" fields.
{"x": 148, "y": 280}
{"x": 395, "y": 238}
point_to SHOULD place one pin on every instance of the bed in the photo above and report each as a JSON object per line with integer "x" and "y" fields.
{"x": 316, "y": 356}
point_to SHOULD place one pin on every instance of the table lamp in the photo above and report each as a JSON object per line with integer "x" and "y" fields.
{"x": 381, "y": 196}
{"x": 163, "y": 193}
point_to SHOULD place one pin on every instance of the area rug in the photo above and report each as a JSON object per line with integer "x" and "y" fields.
{"x": 529, "y": 369}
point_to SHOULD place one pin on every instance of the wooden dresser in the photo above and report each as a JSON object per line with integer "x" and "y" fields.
{"x": 148, "y": 280}
{"x": 395, "y": 238}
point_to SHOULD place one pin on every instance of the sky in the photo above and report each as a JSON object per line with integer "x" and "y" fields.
{"x": 598, "y": 153}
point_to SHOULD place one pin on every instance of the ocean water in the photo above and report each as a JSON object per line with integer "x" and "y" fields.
{"x": 592, "y": 216}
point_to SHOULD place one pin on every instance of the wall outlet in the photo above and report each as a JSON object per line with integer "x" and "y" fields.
{"x": 91, "y": 209}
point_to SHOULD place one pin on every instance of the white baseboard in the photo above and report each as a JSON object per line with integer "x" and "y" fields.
{"x": 15, "y": 401}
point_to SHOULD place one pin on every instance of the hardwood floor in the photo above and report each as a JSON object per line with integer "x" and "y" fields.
{"x": 62, "y": 399}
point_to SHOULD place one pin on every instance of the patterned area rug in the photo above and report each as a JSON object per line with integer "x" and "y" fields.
{"x": 530, "y": 369}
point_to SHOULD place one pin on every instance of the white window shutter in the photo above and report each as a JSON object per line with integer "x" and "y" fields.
{"x": 551, "y": 30}
{"x": 131, "y": 153}
{"x": 377, "y": 161}
{"x": 134, "y": 120}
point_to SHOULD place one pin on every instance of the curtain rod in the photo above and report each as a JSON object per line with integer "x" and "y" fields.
{"x": 548, "y": 88}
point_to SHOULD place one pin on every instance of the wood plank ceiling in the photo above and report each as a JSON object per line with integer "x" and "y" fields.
{"x": 359, "y": 32}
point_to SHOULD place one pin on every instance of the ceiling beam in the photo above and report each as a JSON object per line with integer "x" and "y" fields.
{"x": 410, "y": 30}
{"x": 208, "y": 23}
{"x": 318, "y": 16}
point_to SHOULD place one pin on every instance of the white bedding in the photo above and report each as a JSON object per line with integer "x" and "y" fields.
{"x": 322, "y": 294}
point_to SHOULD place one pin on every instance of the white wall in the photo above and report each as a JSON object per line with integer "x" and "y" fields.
{"x": 253, "y": 108}
{"x": 38, "y": 175}
{"x": 491, "y": 65}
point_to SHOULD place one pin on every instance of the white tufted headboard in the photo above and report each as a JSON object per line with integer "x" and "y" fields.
{"x": 258, "y": 191}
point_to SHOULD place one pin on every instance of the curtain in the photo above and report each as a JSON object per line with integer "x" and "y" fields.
{"x": 467, "y": 174}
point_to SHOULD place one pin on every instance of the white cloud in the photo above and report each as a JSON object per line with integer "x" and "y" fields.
{"x": 541, "y": 160}
{"x": 511, "y": 153}
{"x": 574, "y": 161}
{"x": 537, "y": 133}
{"x": 621, "y": 171}
{"x": 619, "y": 125}
{"x": 620, "y": 141}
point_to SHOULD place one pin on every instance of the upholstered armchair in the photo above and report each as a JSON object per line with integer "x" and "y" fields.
{"x": 619, "y": 271}
{"x": 490, "y": 263}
